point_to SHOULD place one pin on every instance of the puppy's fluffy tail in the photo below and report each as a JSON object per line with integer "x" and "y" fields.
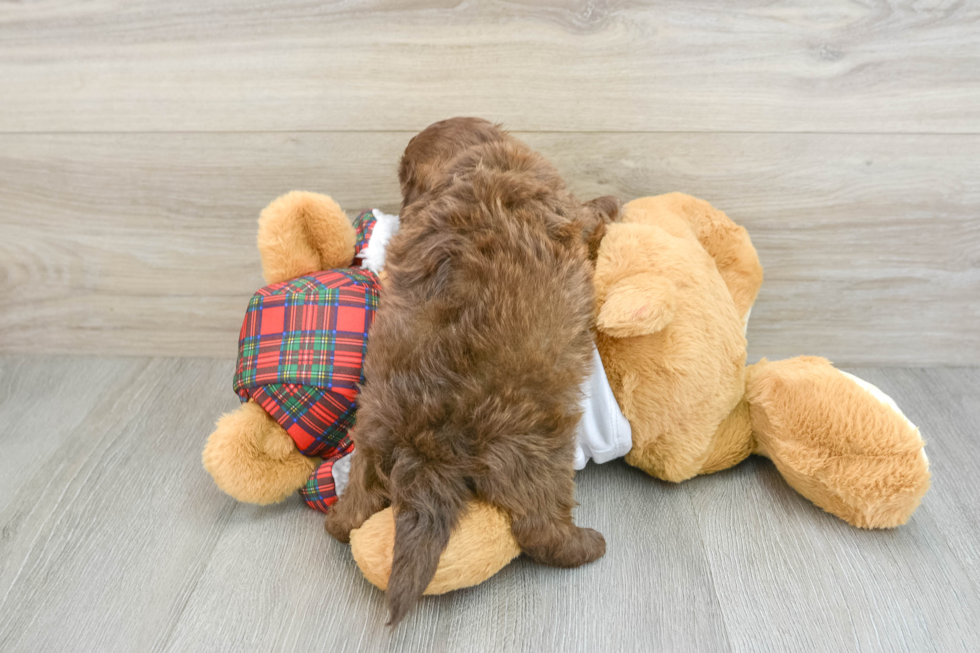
{"x": 427, "y": 509}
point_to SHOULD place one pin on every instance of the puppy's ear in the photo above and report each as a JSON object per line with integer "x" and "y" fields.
{"x": 637, "y": 306}
{"x": 605, "y": 208}
{"x": 599, "y": 212}
{"x": 414, "y": 179}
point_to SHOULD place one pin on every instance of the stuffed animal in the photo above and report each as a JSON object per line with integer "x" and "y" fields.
{"x": 675, "y": 281}
{"x": 300, "y": 353}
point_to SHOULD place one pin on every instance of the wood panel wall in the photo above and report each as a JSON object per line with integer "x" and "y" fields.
{"x": 139, "y": 141}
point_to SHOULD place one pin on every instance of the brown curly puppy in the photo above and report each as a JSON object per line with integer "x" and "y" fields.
{"x": 479, "y": 347}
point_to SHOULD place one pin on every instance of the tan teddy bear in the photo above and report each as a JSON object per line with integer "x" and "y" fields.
{"x": 675, "y": 281}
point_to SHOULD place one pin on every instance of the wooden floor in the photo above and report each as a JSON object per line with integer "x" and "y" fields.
{"x": 113, "y": 538}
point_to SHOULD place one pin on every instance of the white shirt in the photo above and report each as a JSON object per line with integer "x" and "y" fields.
{"x": 603, "y": 433}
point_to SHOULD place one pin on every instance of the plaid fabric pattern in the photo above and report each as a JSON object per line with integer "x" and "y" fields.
{"x": 308, "y": 331}
{"x": 320, "y": 492}
{"x": 363, "y": 228}
{"x": 318, "y": 421}
{"x": 301, "y": 349}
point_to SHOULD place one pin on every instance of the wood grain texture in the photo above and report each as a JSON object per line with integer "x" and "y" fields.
{"x": 144, "y": 243}
{"x": 303, "y": 591}
{"x": 107, "y": 539}
{"x": 948, "y": 414}
{"x": 115, "y": 539}
{"x": 565, "y": 65}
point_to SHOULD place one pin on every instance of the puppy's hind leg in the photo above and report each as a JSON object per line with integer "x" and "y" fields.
{"x": 556, "y": 540}
{"x": 365, "y": 495}
{"x": 541, "y": 516}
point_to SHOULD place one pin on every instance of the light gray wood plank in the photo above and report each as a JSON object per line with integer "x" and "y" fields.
{"x": 122, "y": 543}
{"x": 793, "y": 578}
{"x": 295, "y": 589}
{"x": 105, "y": 543}
{"x": 144, "y": 243}
{"x": 42, "y": 402}
{"x": 555, "y": 65}
{"x": 131, "y": 547}
{"x": 30, "y": 431}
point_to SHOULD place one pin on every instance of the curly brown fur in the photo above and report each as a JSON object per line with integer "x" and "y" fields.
{"x": 477, "y": 354}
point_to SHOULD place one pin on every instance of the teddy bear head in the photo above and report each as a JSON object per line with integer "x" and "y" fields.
{"x": 674, "y": 282}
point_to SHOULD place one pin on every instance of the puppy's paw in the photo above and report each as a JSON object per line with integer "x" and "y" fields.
{"x": 338, "y": 526}
{"x": 580, "y": 546}
{"x": 568, "y": 546}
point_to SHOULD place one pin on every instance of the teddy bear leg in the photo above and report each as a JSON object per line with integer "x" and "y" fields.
{"x": 481, "y": 545}
{"x": 838, "y": 441}
{"x": 253, "y": 459}
{"x": 303, "y": 232}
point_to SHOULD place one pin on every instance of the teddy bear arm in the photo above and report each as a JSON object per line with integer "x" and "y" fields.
{"x": 303, "y": 232}
{"x": 840, "y": 443}
{"x": 252, "y": 458}
{"x": 637, "y": 305}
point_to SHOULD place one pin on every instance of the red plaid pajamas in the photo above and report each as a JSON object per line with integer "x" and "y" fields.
{"x": 300, "y": 356}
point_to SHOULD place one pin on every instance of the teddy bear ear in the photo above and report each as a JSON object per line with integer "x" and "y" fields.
{"x": 303, "y": 232}
{"x": 637, "y": 306}
{"x": 727, "y": 243}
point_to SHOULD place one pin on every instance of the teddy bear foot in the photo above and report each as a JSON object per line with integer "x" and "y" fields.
{"x": 253, "y": 459}
{"x": 838, "y": 440}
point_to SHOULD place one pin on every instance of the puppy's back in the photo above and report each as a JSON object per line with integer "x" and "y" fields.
{"x": 478, "y": 349}
{"x": 488, "y": 285}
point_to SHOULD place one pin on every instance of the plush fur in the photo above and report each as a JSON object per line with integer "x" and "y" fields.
{"x": 696, "y": 409}
{"x": 474, "y": 553}
{"x": 480, "y": 344}
{"x": 678, "y": 378}
{"x": 854, "y": 457}
{"x": 253, "y": 459}
{"x": 673, "y": 282}
{"x": 727, "y": 243}
{"x": 303, "y": 232}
